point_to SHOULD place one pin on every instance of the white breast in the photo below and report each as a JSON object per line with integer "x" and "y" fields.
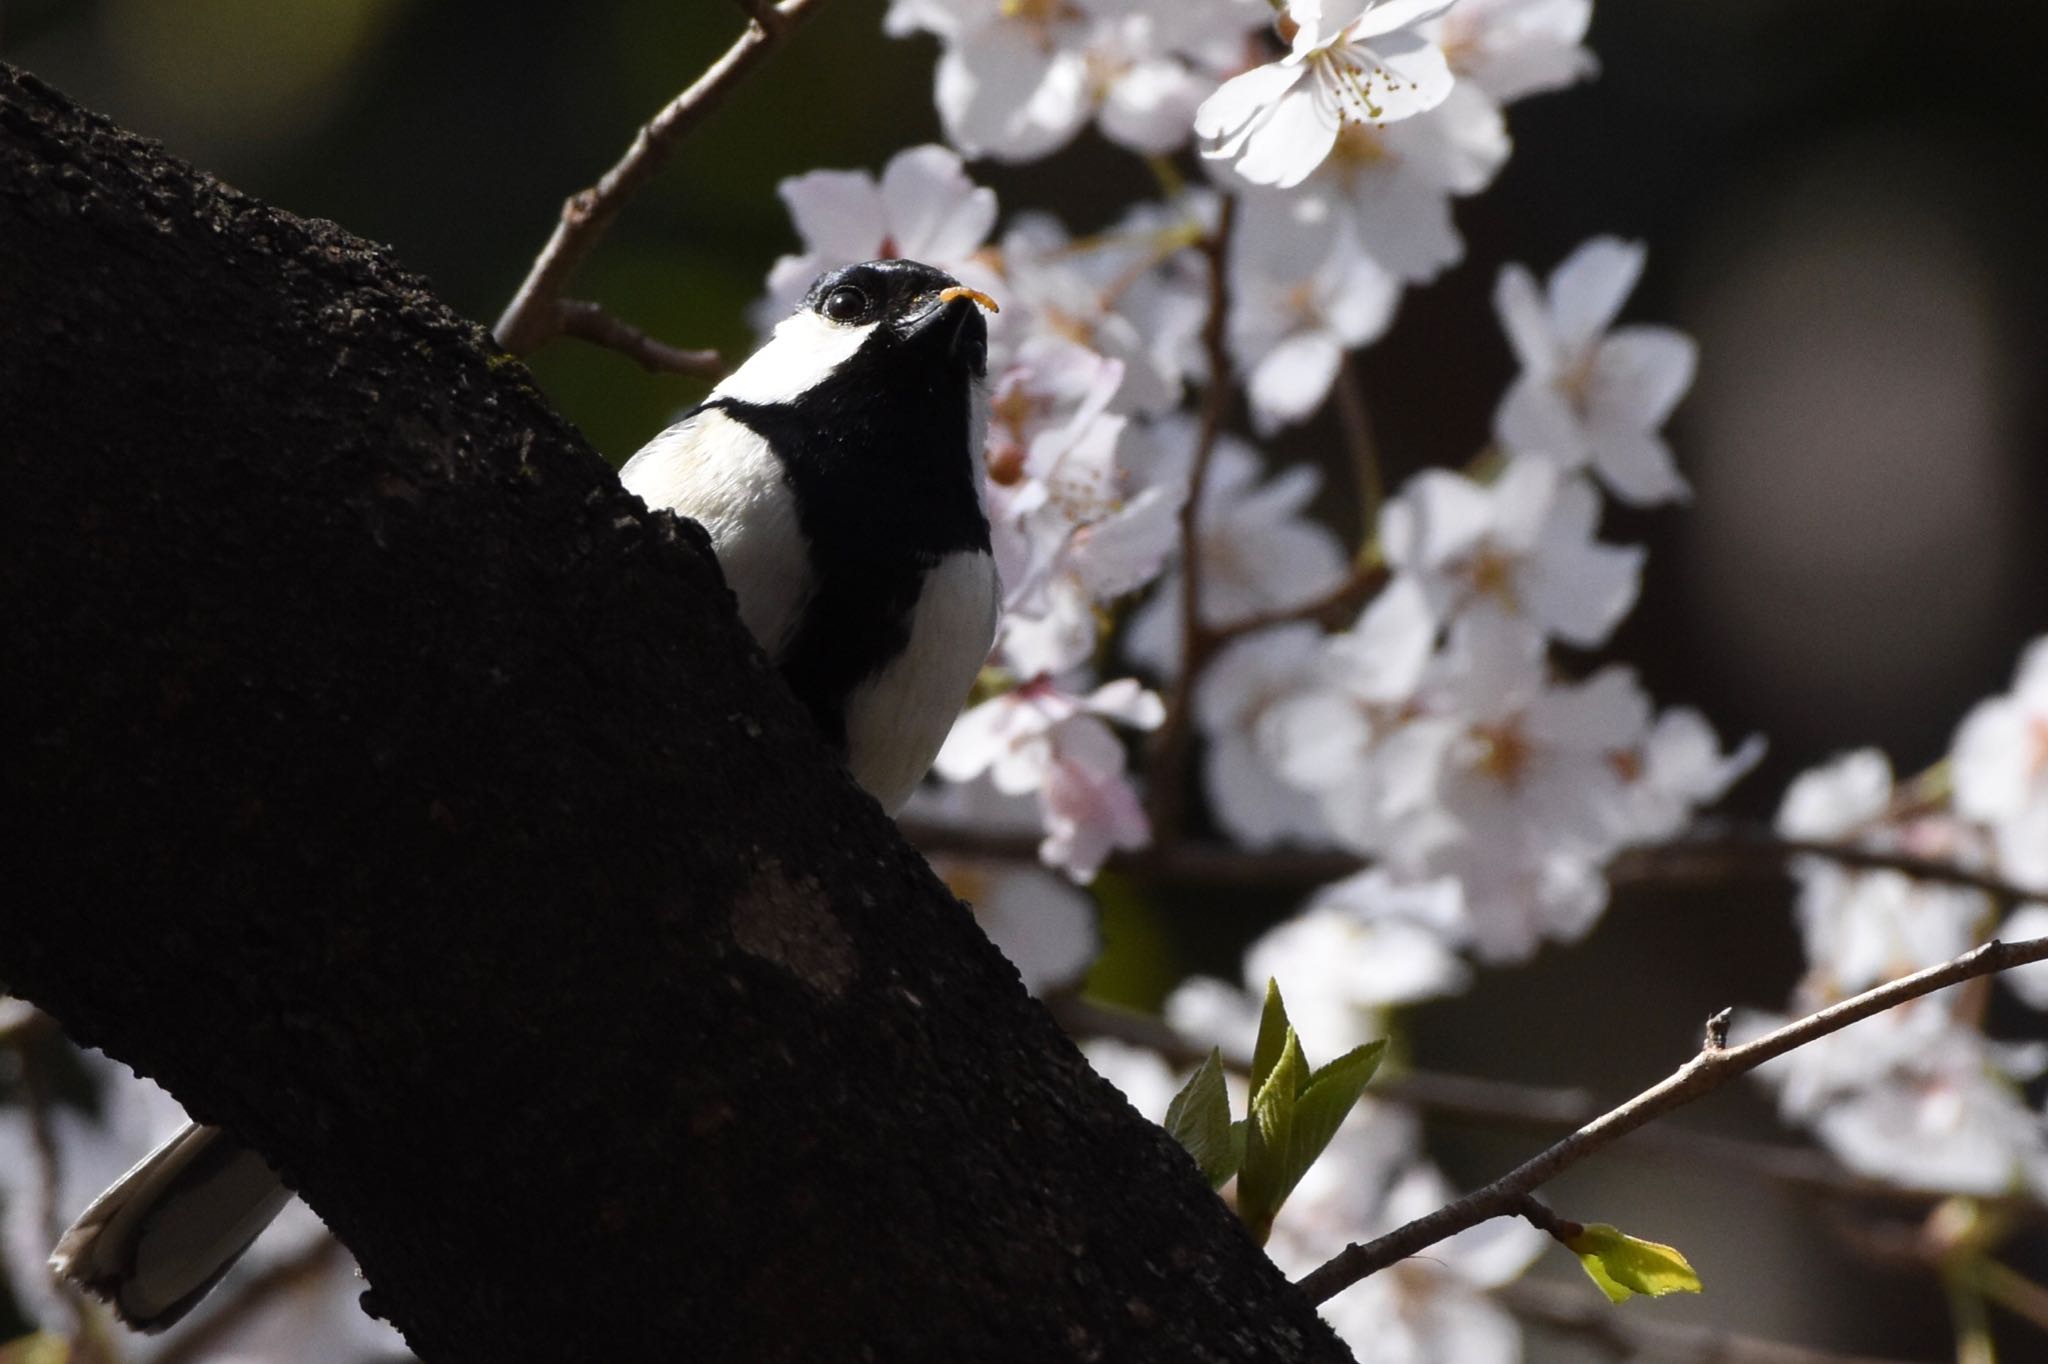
{"x": 719, "y": 473}
{"x": 896, "y": 720}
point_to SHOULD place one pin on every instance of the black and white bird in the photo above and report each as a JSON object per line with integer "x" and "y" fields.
{"x": 839, "y": 473}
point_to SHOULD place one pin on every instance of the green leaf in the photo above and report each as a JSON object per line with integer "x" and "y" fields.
{"x": 1322, "y": 1103}
{"x": 1199, "y": 1119}
{"x": 1625, "y": 1266}
{"x": 1263, "y": 1182}
{"x": 1274, "y": 1032}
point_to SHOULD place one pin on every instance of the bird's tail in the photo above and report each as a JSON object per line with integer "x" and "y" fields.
{"x": 158, "y": 1241}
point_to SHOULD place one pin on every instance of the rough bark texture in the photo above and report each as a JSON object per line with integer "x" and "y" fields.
{"x": 405, "y": 797}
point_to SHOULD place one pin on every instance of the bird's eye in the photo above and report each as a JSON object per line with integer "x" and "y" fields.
{"x": 845, "y": 303}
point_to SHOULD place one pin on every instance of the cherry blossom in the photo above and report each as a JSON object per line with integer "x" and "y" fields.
{"x": 2001, "y": 770}
{"x": 1588, "y": 395}
{"x": 1473, "y": 762}
{"x": 1917, "y": 1097}
{"x": 1132, "y": 295}
{"x": 1276, "y": 123}
{"x": 1513, "y": 48}
{"x": 1234, "y": 701}
{"x": 1019, "y": 78}
{"x": 1042, "y": 924}
{"x": 1368, "y": 943}
{"x": 1303, "y": 293}
{"x": 1521, "y": 547}
{"x": 1431, "y": 1309}
{"x": 1863, "y": 928}
{"x": 1041, "y": 740}
{"x": 924, "y": 208}
{"x": 1258, "y": 550}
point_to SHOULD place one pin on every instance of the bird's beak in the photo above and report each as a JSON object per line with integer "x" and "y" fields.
{"x": 956, "y": 313}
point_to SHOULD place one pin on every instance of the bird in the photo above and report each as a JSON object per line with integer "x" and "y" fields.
{"x": 838, "y": 472}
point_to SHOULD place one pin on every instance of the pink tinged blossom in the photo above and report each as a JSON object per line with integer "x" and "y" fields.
{"x": 924, "y": 208}
{"x": 1589, "y": 396}
{"x": 1126, "y": 295}
{"x": 1075, "y": 525}
{"x": 2000, "y": 758}
{"x": 1057, "y": 745}
{"x": 1276, "y": 123}
{"x": 1521, "y": 547}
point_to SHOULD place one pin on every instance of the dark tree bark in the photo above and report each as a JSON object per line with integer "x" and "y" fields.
{"x": 406, "y": 797}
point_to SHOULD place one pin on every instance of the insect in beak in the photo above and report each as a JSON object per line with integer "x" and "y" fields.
{"x": 962, "y": 291}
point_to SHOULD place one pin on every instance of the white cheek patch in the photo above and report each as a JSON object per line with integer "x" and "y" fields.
{"x": 723, "y": 476}
{"x": 803, "y": 351}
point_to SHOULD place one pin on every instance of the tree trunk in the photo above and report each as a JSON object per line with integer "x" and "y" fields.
{"x": 406, "y": 797}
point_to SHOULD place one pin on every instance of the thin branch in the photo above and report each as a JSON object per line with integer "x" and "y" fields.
{"x": 1329, "y": 608}
{"x": 1170, "y": 745}
{"x": 1506, "y": 1104}
{"x": 536, "y": 313}
{"x": 1717, "y": 848}
{"x": 590, "y": 322}
{"x": 1713, "y": 852}
{"x": 1636, "y": 1335}
{"x": 1711, "y": 1068}
{"x": 2013, "y": 1291}
{"x": 1537, "y": 1214}
{"x": 1356, "y": 419}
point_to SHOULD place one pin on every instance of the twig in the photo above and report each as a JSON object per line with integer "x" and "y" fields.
{"x": 590, "y": 322}
{"x": 1711, "y": 1068}
{"x": 1712, "y": 853}
{"x": 1346, "y": 597}
{"x": 1636, "y": 1335}
{"x": 1507, "y": 1104}
{"x": 1170, "y": 745}
{"x": 1356, "y": 419}
{"x": 1537, "y": 1214}
{"x": 536, "y": 313}
{"x": 2013, "y": 1291}
{"x": 255, "y": 1293}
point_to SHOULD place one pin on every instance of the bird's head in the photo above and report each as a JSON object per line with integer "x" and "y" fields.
{"x": 897, "y": 316}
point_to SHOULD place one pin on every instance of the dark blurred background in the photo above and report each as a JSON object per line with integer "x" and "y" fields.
{"x": 1842, "y": 203}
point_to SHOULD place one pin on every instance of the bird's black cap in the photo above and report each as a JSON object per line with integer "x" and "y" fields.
{"x": 903, "y": 295}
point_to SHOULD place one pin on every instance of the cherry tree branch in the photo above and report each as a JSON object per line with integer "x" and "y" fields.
{"x": 540, "y": 310}
{"x": 1500, "y": 1104}
{"x": 1170, "y": 745}
{"x": 1713, "y": 853}
{"x": 1355, "y": 417}
{"x": 1636, "y": 1335}
{"x": 590, "y": 322}
{"x": 1714, "y": 1065}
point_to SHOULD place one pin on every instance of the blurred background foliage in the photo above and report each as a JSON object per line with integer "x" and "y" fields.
{"x": 1841, "y": 200}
